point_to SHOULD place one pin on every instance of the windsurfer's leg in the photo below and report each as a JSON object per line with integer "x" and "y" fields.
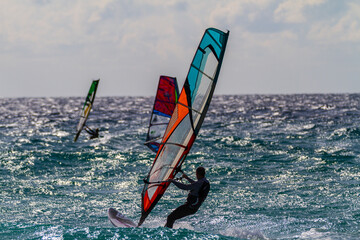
{"x": 180, "y": 212}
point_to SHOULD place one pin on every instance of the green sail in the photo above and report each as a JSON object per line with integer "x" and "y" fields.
{"x": 86, "y": 108}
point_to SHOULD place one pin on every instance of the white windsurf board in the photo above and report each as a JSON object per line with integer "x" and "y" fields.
{"x": 119, "y": 220}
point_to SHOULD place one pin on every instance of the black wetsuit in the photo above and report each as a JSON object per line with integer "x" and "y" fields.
{"x": 198, "y": 192}
{"x": 93, "y": 133}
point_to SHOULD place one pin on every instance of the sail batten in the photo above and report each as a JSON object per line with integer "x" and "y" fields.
{"x": 189, "y": 108}
{"x": 186, "y": 118}
{"x": 203, "y": 73}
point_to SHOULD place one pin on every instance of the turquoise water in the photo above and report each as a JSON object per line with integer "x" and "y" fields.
{"x": 281, "y": 167}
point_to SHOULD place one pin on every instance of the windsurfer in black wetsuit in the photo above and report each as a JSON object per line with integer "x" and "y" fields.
{"x": 93, "y": 133}
{"x": 198, "y": 192}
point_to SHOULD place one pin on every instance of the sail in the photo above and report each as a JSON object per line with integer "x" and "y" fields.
{"x": 89, "y": 100}
{"x": 165, "y": 100}
{"x": 187, "y": 117}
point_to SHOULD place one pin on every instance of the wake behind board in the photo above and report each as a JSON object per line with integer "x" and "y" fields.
{"x": 119, "y": 220}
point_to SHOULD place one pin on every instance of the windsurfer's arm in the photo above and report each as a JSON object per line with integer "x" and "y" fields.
{"x": 187, "y": 178}
{"x": 89, "y": 130}
{"x": 183, "y": 186}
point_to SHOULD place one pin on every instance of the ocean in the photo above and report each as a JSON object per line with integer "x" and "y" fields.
{"x": 280, "y": 167}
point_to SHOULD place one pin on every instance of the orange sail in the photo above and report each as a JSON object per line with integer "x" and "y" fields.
{"x": 187, "y": 118}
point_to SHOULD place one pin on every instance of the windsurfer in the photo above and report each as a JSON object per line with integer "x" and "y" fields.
{"x": 198, "y": 192}
{"x": 93, "y": 133}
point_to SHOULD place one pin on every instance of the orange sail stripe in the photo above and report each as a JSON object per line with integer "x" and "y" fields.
{"x": 181, "y": 112}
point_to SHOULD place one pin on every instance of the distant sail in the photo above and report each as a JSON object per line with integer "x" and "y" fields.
{"x": 166, "y": 98}
{"x": 89, "y": 100}
{"x": 187, "y": 118}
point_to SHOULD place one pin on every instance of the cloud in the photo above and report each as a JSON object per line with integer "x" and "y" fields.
{"x": 230, "y": 11}
{"x": 51, "y": 23}
{"x": 344, "y": 29}
{"x": 291, "y": 11}
{"x": 66, "y": 43}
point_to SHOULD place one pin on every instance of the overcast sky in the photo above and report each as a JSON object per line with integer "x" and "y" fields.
{"x": 57, "y": 47}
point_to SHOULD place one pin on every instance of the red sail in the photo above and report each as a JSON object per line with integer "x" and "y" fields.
{"x": 165, "y": 100}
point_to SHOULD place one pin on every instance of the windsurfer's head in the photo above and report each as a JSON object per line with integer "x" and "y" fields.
{"x": 200, "y": 172}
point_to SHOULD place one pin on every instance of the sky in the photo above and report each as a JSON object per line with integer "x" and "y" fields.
{"x": 55, "y": 48}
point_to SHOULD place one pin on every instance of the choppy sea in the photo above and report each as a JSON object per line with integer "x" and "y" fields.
{"x": 280, "y": 167}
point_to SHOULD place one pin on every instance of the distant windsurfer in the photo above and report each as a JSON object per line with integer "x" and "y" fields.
{"x": 93, "y": 133}
{"x": 198, "y": 192}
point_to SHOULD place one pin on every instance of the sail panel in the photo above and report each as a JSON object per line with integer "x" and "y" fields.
{"x": 164, "y": 170}
{"x": 215, "y": 40}
{"x": 166, "y": 96}
{"x": 181, "y": 110}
